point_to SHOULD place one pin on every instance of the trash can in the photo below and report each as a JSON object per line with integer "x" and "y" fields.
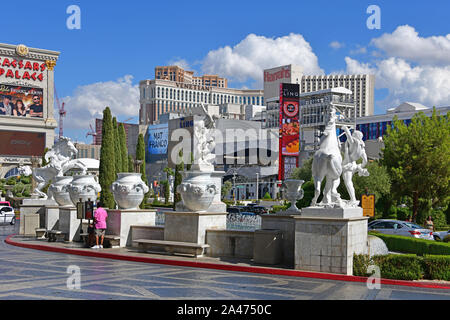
{"x": 268, "y": 246}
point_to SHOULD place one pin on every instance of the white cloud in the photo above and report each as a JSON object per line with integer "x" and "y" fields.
{"x": 428, "y": 85}
{"x": 359, "y": 50}
{"x": 337, "y": 45}
{"x": 247, "y": 60}
{"x": 406, "y": 43}
{"x": 182, "y": 63}
{"x": 89, "y": 101}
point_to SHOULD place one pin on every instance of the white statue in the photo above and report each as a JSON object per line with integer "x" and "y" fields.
{"x": 354, "y": 149}
{"x": 204, "y": 131}
{"x": 327, "y": 163}
{"x": 60, "y": 161}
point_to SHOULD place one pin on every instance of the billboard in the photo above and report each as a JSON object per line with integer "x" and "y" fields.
{"x": 18, "y": 143}
{"x": 289, "y": 129}
{"x": 158, "y": 139}
{"x": 21, "y": 101}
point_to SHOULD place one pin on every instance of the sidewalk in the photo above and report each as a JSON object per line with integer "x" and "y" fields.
{"x": 223, "y": 263}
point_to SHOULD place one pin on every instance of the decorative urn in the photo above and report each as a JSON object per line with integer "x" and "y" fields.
{"x": 59, "y": 190}
{"x": 84, "y": 187}
{"x": 293, "y": 191}
{"x": 197, "y": 190}
{"x": 129, "y": 190}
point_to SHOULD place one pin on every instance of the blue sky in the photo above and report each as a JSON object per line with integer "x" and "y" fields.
{"x": 129, "y": 38}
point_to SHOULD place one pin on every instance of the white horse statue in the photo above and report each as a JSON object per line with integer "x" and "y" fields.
{"x": 327, "y": 163}
{"x": 60, "y": 161}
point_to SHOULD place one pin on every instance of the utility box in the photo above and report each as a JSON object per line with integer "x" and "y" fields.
{"x": 268, "y": 246}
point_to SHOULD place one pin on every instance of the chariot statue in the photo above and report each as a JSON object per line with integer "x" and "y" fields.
{"x": 60, "y": 160}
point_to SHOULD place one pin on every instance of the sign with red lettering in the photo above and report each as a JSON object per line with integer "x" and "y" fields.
{"x": 11, "y": 68}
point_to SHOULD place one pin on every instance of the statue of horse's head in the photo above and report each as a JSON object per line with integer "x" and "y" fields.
{"x": 65, "y": 147}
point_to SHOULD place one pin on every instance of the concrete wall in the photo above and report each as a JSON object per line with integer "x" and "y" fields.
{"x": 230, "y": 243}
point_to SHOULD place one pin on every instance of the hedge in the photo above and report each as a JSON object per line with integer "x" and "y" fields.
{"x": 413, "y": 245}
{"x": 404, "y": 267}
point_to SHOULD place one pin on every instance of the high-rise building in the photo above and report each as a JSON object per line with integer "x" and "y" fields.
{"x": 178, "y": 74}
{"x": 163, "y": 96}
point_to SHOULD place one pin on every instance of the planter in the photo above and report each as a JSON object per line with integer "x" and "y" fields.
{"x": 129, "y": 190}
{"x": 84, "y": 187}
{"x": 197, "y": 190}
{"x": 292, "y": 192}
{"x": 59, "y": 190}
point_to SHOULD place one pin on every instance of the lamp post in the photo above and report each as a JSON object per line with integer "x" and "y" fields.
{"x": 257, "y": 187}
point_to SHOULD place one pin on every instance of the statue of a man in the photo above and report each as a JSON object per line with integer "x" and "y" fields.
{"x": 354, "y": 149}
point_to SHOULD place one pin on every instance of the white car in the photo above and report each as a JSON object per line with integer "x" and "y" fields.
{"x": 441, "y": 235}
{"x": 7, "y": 215}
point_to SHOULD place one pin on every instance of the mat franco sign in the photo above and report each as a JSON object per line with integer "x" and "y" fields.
{"x": 289, "y": 129}
{"x": 368, "y": 205}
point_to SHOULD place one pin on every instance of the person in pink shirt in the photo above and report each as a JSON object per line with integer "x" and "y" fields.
{"x": 100, "y": 216}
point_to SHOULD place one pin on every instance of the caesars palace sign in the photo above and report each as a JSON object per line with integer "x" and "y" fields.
{"x": 22, "y": 69}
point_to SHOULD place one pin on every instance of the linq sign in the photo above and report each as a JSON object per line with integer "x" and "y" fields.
{"x": 13, "y": 69}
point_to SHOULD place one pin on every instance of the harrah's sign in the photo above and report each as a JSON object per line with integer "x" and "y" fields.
{"x": 21, "y": 69}
{"x": 282, "y": 74}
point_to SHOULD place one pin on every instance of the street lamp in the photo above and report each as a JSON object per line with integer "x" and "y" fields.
{"x": 257, "y": 187}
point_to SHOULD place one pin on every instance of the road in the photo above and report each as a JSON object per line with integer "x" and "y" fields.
{"x": 27, "y": 274}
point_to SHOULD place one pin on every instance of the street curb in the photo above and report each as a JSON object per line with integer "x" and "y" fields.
{"x": 206, "y": 265}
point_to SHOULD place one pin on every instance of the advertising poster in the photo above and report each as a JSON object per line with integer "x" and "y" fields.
{"x": 21, "y": 101}
{"x": 289, "y": 129}
{"x": 22, "y": 143}
{"x": 158, "y": 139}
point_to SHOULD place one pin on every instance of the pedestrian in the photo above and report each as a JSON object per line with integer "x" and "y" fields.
{"x": 100, "y": 216}
{"x": 429, "y": 223}
{"x": 409, "y": 219}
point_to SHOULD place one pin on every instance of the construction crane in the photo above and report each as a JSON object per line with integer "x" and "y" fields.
{"x": 62, "y": 114}
{"x": 128, "y": 119}
{"x": 92, "y": 133}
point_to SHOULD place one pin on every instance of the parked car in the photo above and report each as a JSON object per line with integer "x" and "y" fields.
{"x": 5, "y": 203}
{"x": 7, "y": 215}
{"x": 234, "y": 210}
{"x": 400, "y": 228}
{"x": 257, "y": 209}
{"x": 440, "y": 235}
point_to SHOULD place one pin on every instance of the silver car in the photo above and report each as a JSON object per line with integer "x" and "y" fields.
{"x": 7, "y": 215}
{"x": 400, "y": 228}
{"x": 440, "y": 235}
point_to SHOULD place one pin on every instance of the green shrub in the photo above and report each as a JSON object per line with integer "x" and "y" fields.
{"x": 267, "y": 196}
{"x": 403, "y": 213}
{"x": 11, "y": 181}
{"x": 439, "y": 219}
{"x": 437, "y": 267}
{"x": 360, "y": 264}
{"x": 414, "y": 245}
{"x": 398, "y": 266}
{"x": 278, "y": 208}
{"x": 391, "y": 213}
{"x": 446, "y": 239}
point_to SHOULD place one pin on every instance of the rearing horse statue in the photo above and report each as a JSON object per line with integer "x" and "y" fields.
{"x": 327, "y": 163}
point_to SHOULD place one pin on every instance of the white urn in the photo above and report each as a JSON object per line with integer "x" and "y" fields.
{"x": 197, "y": 190}
{"x": 59, "y": 190}
{"x": 292, "y": 192}
{"x": 129, "y": 190}
{"x": 84, "y": 187}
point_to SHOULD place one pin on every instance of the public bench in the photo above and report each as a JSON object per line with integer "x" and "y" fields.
{"x": 40, "y": 233}
{"x": 173, "y": 247}
{"x": 54, "y": 235}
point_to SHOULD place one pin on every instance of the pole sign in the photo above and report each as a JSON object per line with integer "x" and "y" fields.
{"x": 80, "y": 210}
{"x": 289, "y": 137}
{"x": 88, "y": 209}
{"x": 368, "y": 205}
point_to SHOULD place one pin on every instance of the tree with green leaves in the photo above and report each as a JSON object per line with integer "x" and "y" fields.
{"x": 130, "y": 163}
{"x": 117, "y": 151}
{"x": 140, "y": 155}
{"x": 179, "y": 168}
{"x": 226, "y": 187}
{"x": 107, "y": 161}
{"x": 123, "y": 147}
{"x": 417, "y": 157}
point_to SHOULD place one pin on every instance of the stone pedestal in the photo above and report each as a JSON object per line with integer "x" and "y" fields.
{"x": 192, "y": 226}
{"x": 119, "y": 223}
{"x": 51, "y": 218}
{"x": 286, "y": 224}
{"x": 69, "y": 224}
{"x": 327, "y": 239}
{"x": 29, "y": 223}
{"x": 34, "y": 206}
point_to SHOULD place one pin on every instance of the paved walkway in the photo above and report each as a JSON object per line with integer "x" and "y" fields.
{"x": 33, "y": 274}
